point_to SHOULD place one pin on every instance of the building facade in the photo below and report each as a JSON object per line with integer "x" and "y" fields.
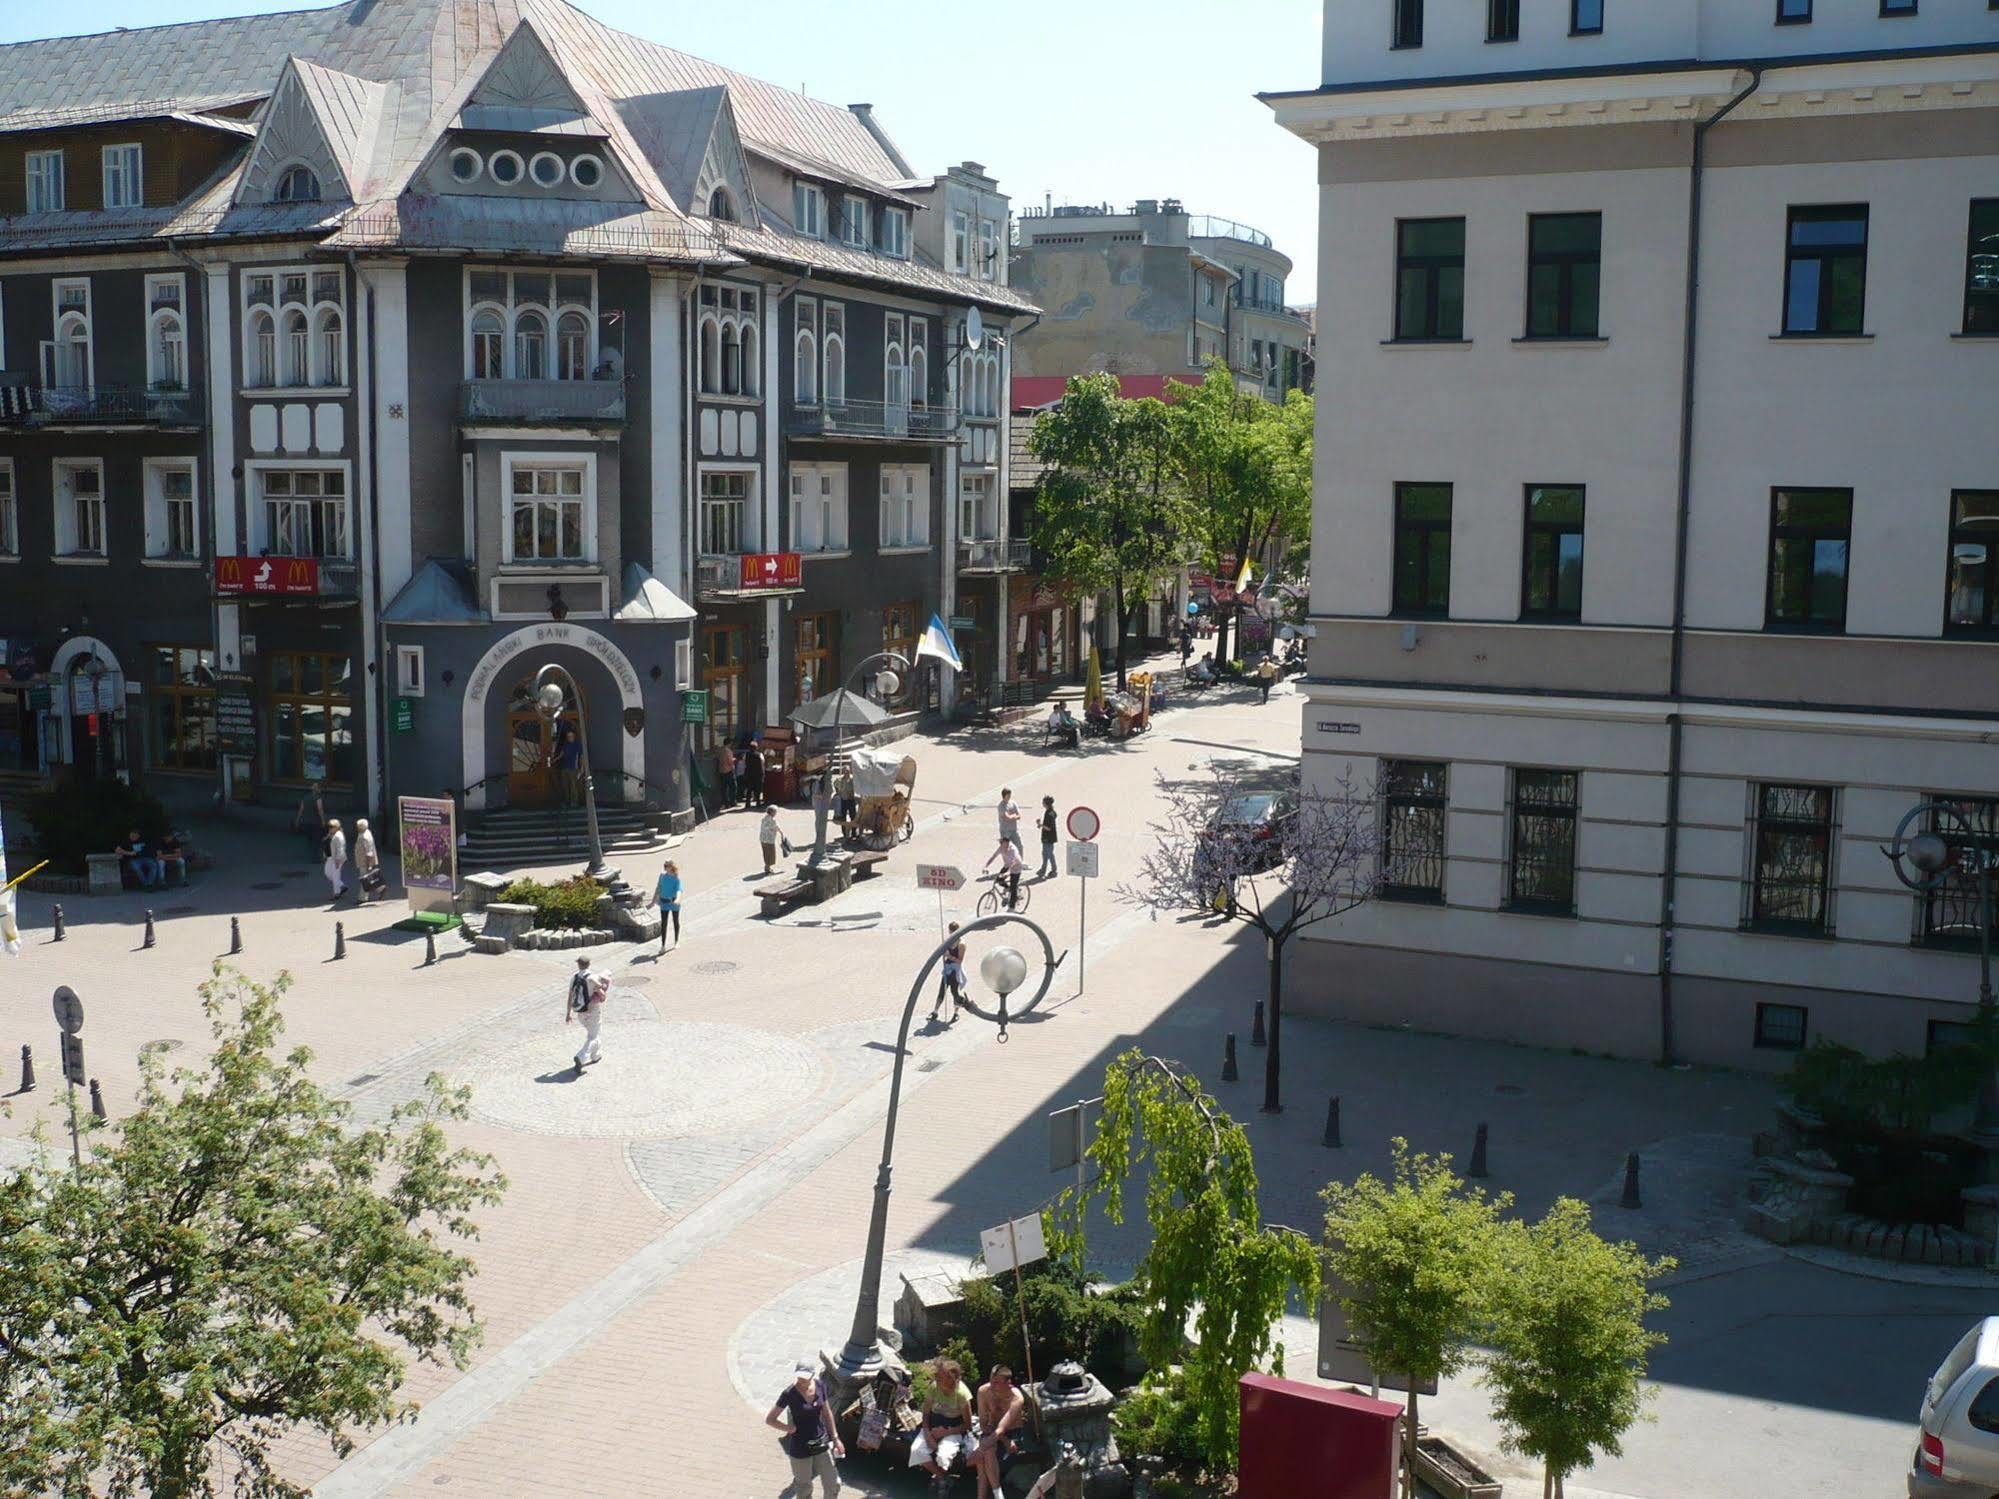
{"x": 1656, "y": 509}
{"x": 357, "y": 363}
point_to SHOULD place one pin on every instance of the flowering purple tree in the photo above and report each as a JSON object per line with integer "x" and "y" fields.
{"x": 1278, "y": 861}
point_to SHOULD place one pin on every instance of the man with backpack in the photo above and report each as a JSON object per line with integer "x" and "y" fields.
{"x": 585, "y": 1004}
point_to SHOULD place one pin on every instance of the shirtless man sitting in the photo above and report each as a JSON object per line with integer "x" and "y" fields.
{"x": 1002, "y": 1411}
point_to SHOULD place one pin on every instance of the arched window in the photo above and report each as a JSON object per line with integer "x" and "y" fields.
{"x": 919, "y": 376}
{"x": 805, "y": 370}
{"x": 732, "y": 361}
{"x": 298, "y": 350}
{"x": 836, "y": 370}
{"x": 572, "y": 347}
{"x": 489, "y": 345}
{"x": 711, "y": 356}
{"x": 752, "y": 382}
{"x": 722, "y": 205}
{"x": 73, "y": 352}
{"x": 263, "y": 349}
{"x": 329, "y": 349}
{"x": 166, "y": 353}
{"x": 530, "y": 346}
{"x": 297, "y": 185}
{"x": 895, "y": 383}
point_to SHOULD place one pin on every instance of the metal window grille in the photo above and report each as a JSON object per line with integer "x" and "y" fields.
{"x": 1541, "y": 873}
{"x": 1949, "y": 915}
{"x": 1791, "y": 837}
{"x": 1412, "y": 845}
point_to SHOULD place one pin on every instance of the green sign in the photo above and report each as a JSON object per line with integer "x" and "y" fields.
{"x": 402, "y": 714}
{"x": 963, "y": 622}
{"x": 41, "y": 696}
{"x": 694, "y": 705}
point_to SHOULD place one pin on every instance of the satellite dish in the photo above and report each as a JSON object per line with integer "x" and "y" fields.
{"x": 975, "y": 329}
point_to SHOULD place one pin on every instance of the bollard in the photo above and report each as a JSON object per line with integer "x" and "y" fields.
{"x": 429, "y": 946}
{"x": 1476, "y": 1171}
{"x": 1630, "y": 1197}
{"x": 1332, "y": 1140}
{"x": 1256, "y": 1026}
{"x": 61, "y": 930}
{"x": 1228, "y": 1059}
{"x": 27, "y": 1069}
{"x": 149, "y": 929}
{"x": 235, "y": 937}
{"x": 97, "y": 1100}
{"x": 339, "y": 940}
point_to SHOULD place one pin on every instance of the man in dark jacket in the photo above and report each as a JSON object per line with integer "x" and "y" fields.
{"x": 753, "y": 774}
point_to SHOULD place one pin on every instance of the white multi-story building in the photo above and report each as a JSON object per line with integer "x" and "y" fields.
{"x": 1656, "y": 536}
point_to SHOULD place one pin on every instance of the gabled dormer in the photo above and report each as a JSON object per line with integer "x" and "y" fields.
{"x": 315, "y": 138}
{"x": 690, "y": 138}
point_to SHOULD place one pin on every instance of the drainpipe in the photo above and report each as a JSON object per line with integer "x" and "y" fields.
{"x": 374, "y": 632}
{"x": 216, "y": 483}
{"x": 1675, "y": 724}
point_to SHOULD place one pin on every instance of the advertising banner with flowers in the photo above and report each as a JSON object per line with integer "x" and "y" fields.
{"x": 429, "y": 847}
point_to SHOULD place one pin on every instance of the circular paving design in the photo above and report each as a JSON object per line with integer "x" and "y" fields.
{"x": 716, "y": 965}
{"x": 657, "y": 1080}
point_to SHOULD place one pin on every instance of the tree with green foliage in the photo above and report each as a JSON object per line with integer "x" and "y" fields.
{"x": 1109, "y": 515}
{"x": 1569, "y": 1340}
{"x": 231, "y": 1262}
{"x": 1210, "y": 1256}
{"x": 1413, "y": 1259}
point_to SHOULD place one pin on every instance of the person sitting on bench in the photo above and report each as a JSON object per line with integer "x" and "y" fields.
{"x": 1064, "y": 727}
{"x": 145, "y": 868}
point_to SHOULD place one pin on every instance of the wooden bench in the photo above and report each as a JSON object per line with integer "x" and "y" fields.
{"x": 864, "y": 864}
{"x": 776, "y": 898}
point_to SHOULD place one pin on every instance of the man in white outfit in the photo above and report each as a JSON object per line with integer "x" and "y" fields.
{"x": 585, "y": 1003}
{"x": 1009, "y": 820}
{"x": 336, "y": 858}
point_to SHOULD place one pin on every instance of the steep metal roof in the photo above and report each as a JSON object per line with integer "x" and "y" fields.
{"x": 349, "y": 111}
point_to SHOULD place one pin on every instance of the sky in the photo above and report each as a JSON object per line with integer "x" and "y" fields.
{"x": 1088, "y": 101}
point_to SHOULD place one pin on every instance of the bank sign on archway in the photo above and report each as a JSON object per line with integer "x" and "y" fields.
{"x": 516, "y": 653}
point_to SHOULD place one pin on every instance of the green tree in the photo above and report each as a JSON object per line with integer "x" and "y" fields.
{"x": 1414, "y": 1260}
{"x": 232, "y": 1261}
{"x": 1569, "y": 1340}
{"x": 1109, "y": 514}
{"x": 1211, "y": 1255}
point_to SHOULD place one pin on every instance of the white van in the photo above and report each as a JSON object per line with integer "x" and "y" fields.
{"x": 1957, "y": 1454}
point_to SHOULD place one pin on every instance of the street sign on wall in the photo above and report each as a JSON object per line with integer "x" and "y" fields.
{"x": 771, "y": 570}
{"x": 236, "y": 712}
{"x": 694, "y": 705}
{"x": 402, "y": 715}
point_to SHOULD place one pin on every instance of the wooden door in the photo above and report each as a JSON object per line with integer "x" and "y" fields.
{"x": 531, "y": 778}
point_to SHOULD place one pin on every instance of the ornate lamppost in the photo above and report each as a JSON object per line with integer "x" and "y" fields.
{"x": 1004, "y": 970}
{"x": 554, "y": 689}
{"x": 1925, "y": 861}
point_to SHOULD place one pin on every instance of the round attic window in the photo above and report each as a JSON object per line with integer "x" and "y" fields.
{"x": 504, "y": 167}
{"x": 547, "y": 169}
{"x": 466, "y": 165}
{"x": 586, "y": 171}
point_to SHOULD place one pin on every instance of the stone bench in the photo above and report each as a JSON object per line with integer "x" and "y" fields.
{"x": 506, "y": 922}
{"x": 778, "y": 898}
{"x": 866, "y": 865}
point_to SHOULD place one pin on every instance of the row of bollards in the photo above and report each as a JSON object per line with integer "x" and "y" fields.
{"x": 28, "y": 1083}
{"x": 61, "y": 931}
{"x": 1256, "y": 1026}
{"x": 151, "y": 939}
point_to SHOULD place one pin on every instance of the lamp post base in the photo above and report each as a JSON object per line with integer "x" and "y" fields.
{"x": 849, "y": 1368}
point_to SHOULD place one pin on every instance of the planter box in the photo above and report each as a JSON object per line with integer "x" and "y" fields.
{"x": 1451, "y": 1474}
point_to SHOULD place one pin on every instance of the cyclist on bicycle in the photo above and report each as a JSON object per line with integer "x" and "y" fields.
{"x": 1011, "y": 864}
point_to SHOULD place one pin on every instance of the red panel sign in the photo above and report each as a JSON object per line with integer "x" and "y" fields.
{"x": 1302, "y": 1441}
{"x": 771, "y": 570}
{"x": 267, "y": 575}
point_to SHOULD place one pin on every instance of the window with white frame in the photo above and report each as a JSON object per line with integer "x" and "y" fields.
{"x": 67, "y": 359}
{"x": 166, "y": 332}
{"x": 79, "y": 495}
{"x": 808, "y": 209}
{"x": 548, "y": 510}
{"x": 726, "y": 511}
{"x": 683, "y": 665}
{"x": 905, "y": 505}
{"x": 834, "y": 383}
{"x": 978, "y": 518}
{"x": 819, "y": 507}
{"x": 805, "y": 352}
{"x": 919, "y": 363}
{"x": 530, "y": 324}
{"x": 304, "y": 512}
{"x": 294, "y": 321}
{"x": 124, "y": 186}
{"x": 854, "y": 221}
{"x": 958, "y": 252}
{"x": 980, "y": 381}
{"x": 730, "y": 341}
{"x": 172, "y": 528}
{"x": 895, "y": 233}
{"x": 409, "y": 670}
{"x": 989, "y": 250}
{"x": 10, "y": 514}
{"x": 895, "y": 363}
{"x": 46, "y": 190}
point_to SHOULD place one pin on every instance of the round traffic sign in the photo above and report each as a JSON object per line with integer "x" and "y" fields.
{"x": 69, "y": 1010}
{"x": 1084, "y": 824}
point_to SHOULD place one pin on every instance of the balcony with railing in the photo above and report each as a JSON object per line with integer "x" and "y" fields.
{"x": 544, "y": 403}
{"x": 872, "y": 421}
{"x": 25, "y": 405}
{"x": 1207, "y": 226}
{"x": 1004, "y": 555}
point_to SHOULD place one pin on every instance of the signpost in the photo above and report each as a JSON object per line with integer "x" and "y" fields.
{"x": 1008, "y": 1247}
{"x": 759, "y": 570}
{"x": 1084, "y": 825}
{"x": 69, "y": 1015}
{"x": 940, "y": 877}
{"x": 1069, "y": 1139}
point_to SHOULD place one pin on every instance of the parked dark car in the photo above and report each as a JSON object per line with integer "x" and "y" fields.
{"x": 1264, "y": 819}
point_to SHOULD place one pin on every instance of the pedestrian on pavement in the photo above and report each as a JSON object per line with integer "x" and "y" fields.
{"x": 309, "y": 821}
{"x": 1047, "y": 870}
{"x": 1011, "y": 864}
{"x": 850, "y": 804}
{"x": 336, "y": 857}
{"x": 811, "y": 1439}
{"x": 753, "y": 775}
{"x": 726, "y": 774}
{"x": 1186, "y": 644}
{"x": 585, "y": 1004}
{"x": 569, "y": 759}
{"x": 367, "y": 863}
{"x": 953, "y": 982}
{"x": 1266, "y": 677}
{"x": 771, "y": 837}
{"x": 1002, "y": 1411}
{"x": 947, "y": 1422}
{"x": 666, "y": 895}
{"x": 1009, "y": 819}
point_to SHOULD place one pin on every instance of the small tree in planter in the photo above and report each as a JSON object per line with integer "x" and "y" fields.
{"x": 1416, "y": 1257}
{"x": 1279, "y": 876}
{"x": 1569, "y": 1340}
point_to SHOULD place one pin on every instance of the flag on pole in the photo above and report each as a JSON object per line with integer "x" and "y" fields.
{"x": 937, "y": 642}
{"x": 1243, "y": 578}
{"x": 10, "y": 931}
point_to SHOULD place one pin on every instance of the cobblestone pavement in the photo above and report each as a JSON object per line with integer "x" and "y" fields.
{"x": 685, "y": 1218}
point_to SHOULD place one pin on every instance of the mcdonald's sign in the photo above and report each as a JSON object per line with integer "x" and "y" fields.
{"x": 267, "y": 575}
{"x": 771, "y": 570}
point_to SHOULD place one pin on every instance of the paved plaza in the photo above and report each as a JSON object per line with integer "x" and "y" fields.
{"x": 686, "y": 1218}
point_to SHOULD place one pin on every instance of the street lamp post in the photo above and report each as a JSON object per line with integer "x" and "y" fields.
{"x": 887, "y": 682}
{"x": 1951, "y": 844}
{"x": 554, "y": 688}
{"x": 1004, "y": 969}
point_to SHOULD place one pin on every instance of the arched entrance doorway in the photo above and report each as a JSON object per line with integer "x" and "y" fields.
{"x": 535, "y": 776}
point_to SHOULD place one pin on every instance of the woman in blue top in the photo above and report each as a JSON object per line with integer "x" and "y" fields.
{"x": 666, "y": 895}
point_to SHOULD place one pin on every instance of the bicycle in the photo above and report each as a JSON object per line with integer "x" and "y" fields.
{"x": 994, "y": 901}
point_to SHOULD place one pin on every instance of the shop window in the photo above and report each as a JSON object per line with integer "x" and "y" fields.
{"x": 180, "y": 700}
{"x": 311, "y": 718}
